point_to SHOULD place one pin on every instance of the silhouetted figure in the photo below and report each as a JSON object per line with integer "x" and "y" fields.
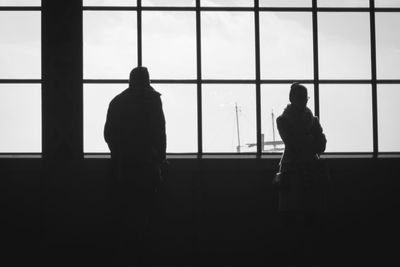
{"x": 303, "y": 201}
{"x": 135, "y": 134}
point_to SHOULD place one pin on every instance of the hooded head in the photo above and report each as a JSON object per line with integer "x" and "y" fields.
{"x": 139, "y": 76}
{"x": 298, "y": 96}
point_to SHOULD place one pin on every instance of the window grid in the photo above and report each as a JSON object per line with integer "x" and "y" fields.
{"x": 314, "y": 9}
{"x": 21, "y": 81}
{"x": 373, "y": 79}
{"x": 257, "y": 81}
{"x": 258, "y": 76}
{"x": 21, "y": 8}
{"x": 198, "y": 82}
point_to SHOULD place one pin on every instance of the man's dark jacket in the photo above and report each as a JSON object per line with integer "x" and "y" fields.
{"x": 135, "y": 126}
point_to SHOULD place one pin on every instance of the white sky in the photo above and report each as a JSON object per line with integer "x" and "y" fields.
{"x": 20, "y": 2}
{"x": 169, "y": 37}
{"x": 169, "y": 51}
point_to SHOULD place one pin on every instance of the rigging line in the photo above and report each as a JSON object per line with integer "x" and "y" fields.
{"x": 250, "y": 124}
{"x": 233, "y": 133}
{"x": 239, "y": 123}
{"x": 237, "y": 126}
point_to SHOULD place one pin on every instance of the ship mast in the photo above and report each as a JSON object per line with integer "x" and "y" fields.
{"x": 237, "y": 128}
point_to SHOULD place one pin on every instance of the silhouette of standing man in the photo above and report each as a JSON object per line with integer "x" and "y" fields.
{"x": 303, "y": 202}
{"x": 135, "y": 134}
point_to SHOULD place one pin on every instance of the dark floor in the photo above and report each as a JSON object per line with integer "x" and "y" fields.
{"x": 212, "y": 241}
{"x": 223, "y": 217}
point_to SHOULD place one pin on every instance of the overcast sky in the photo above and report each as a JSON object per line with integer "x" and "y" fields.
{"x": 169, "y": 52}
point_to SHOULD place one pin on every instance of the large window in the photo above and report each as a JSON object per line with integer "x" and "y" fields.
{"x": 223, "y": 68}
{"x": 20, "y": 76}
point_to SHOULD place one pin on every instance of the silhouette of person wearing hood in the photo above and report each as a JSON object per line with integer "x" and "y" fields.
{"x": 303, "y": 200}
{"x": 300, "y": 130}
{"x": 135, "y": 134}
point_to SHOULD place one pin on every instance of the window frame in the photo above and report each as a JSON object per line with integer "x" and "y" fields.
{"x": 314, "y": 10}
{"x": 199, "y": 81}
{"x": 21, "y": 8}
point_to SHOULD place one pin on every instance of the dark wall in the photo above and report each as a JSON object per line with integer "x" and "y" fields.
{"x": 219, "y": 208}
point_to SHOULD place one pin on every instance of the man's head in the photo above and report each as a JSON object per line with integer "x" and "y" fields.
{"x": 139, "y": 76}
{"x": 298, "y": 95}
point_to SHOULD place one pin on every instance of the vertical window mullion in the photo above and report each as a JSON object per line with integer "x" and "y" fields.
{"x": 315, "y": 53}
{"x": 199, "y": 81}
{"x": 373, "y": 79}
{"x": 139, "y": 32}
{"x": 258, "y": 86}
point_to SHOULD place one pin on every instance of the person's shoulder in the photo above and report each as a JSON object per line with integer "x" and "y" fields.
{"x": 316, "y": 122}
{"x": 284, "y": 116}
{"x": 119, "y": 97}
{"x": 281, "y": 118}
{"x": 282, "y": 121}
{"x": 153, "y": 95}
{"x": 153, "y": 92}
{"x": 310, "y": 114}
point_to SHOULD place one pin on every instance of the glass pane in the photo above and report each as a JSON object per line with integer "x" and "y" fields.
{"x": 346, "y": 117}
{"x": 229, "y": 118}
{"x": 20, "y": 118}
{"x": 286, "y": 45}
{"x": 20, "y": 3}
{"x": 228, "y": 45}
{"x": 109, "y": 44}
{"x": 344, "y": 46}
{"x": 387, "y": 45}
{"x": 230, "y": 3}
{"x": 109, "y": 2}
{"x": 387, "y": 3}
{"x": 181, "y": 126}
{"x": 388, "y": 117}
{"x": 169, "y": 44}
{"x": 274, "y": 99}
{"x": 343, "y": 3}
{"x": 168, "y": 3}
{"x": 285, "y": 3}
{"x": 180, "y": 110}
{"x": 96, "y": 98}
{"x": 20, "y": 45}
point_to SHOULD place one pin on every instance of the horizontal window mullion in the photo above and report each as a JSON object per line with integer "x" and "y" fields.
{"x": 88, "y": 81}
{"x": 343, "y": 9}
{"x": 20, "y": 8}
{"x": 167, "y": 8}
{"x": 20, "y": 81}
{"x": 220, "y": 9}
{"x": 219, "y": 81}
{"x": 110, "y": 8}
{"x": 278, "y": 81}
{"x": 222, "y": 81}
{"x": 387, "y": 9}
{"x": 387, "y": 81}
{"x": 337, "y": 81}
{"x": 193, "y": 81}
